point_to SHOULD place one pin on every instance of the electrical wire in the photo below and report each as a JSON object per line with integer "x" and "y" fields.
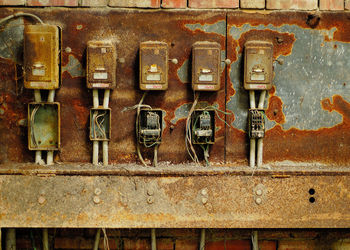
{"x": 188, "y": 141}
{"x": 137, "y": 129}
{"x": 155, "y": 157}
{"x": 4, "y": 20}
{"x": 105, "y": 239}
{"x": 32, "y": 122}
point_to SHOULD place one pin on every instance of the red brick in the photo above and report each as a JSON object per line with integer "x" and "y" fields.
{"x": 347, "y": 4}
{"x": 252, "y": 4}
{"x": 135, "y": 3}
{"x": 292, "y": 4}
{"x": 174, "y": 3}
{"x": 94, "y": 3}
{"x": 182, "y": 244}
{"x": 228, "y": 245}
{"x": 331, "y": 4}
{"x": 68, "y": 3}
{"x": 297, "y": 245}
{"x": 12, "y": 2}
{"x": 201, "y": 4}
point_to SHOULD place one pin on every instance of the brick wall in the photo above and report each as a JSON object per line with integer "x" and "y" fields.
{"x": 325, "y": 5}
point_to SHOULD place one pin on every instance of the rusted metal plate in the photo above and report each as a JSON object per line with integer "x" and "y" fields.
{"x": 308, "y": 109}
{"x": 127, "y": 28}
{"x": 239, "y": 199}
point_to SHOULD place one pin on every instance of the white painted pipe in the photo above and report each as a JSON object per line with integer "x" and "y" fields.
{"x": 255, "y": 242}
{"x": 49, "y": 159}
{"x": 252, "y": 153}
{"x": 97, "y": 239}
{"x": 11, "y": 239}
{"x": 260, "y": 153}
{"x": 45, "y": 239}
{"x": 51, "y": 96}
{"x": 38, "y": 159}
{"x": 262, "y": 99}
{"x": 252, "y": 99}
{"x": 202, "y": 240}
{"x": 95, "y": 152}
{"x": 154, "y": 240}
{"x": 106, "y": 98}
{"x": 95, "y": 98}
{"x": 105, "y": 152}
{"x": 37, "y": 95}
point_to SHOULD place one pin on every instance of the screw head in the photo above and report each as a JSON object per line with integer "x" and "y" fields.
{"x": 258, "y": 201}
{"x": 41, "y": 200}
{"x": 97, "y": 191}
{"x": 97, "y": 200}
{"x": 227, "y": 61}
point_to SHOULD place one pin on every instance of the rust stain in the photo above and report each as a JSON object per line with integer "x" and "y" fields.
{"x": 275, "y": 108}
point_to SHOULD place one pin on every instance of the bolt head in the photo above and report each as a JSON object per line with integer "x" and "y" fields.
{"x": 97, "y": 200}
{"x": 150, "y": 200}
{"x": 204, "y": 200}
{"x": 227, "y": 61}
{"x": 174, "y": 61}
{"x": 259, "y": 192}
{"x": 41, "y": 200}
{"x": 150, "y": 192}
{"x": 97, "y": 191}
{"x": 258, "y": 201}
{"x": 204, "y": 192}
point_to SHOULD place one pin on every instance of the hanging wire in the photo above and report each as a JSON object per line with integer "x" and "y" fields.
{"x": 189, "y": 147}
{"x": 5, "y": 19}
{"x": 137, "y": 128}
{"x": 105, "y": 239}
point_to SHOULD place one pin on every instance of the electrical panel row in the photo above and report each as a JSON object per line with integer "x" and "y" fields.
{"x": 43, "y": 72}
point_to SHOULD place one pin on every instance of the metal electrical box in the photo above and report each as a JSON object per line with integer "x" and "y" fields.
{"x": 100, "y": 124}
{"x": 150, "y": 127}
{"x": 42, "y": 56}
{"x": 44, "y": 126}
{"x": 206, "y": 63}
{"x": 256, "y": 119}
{"x": 101, "y": 65}
{"x": 203, "y": 126}
{"x": 258, "y": 70}
{"x": 154, "y": 65}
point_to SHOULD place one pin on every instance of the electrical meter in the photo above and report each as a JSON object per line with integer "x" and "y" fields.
{"x": 203, "y": 126}
{"x": 258, "y": 65}
{"x": 206, "y": 65}
{"x": 256, "y": 123}
{"x": 101, "y": 65}
{"x": 42, "y": 56}
{"x": 154, "y": 66}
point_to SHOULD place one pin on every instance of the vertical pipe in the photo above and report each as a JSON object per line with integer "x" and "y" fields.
{"x": 37, "y": 98}
{"x": 252, "y": 153}
{"x": 255, "y": 242}
{"x": 11, "y": 239}
{"x": 252, "y": 99}
{"x": 51, "y": 96}
{"x": 260, "y": 152}
{"x": 95, "y": 98}
{"x": 95, "y": 152}
{"x": 97, "y": 239}
{"x": 202, "y": 240}
{"x": 37, "y": 95}
{"x": 154, "y": 240}
{"x": 105, "y": 152}
{"x": 106, "y": 98}
{"x": 38, "y": 159}
{"x": 49, "y": 160}
{"x": 262, "y": 99}
{"x": 45, "y": 239}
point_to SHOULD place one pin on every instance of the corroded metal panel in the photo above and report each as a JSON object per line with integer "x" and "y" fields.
{"x": 308, "y": 108}
{"x": 131, "y": 197}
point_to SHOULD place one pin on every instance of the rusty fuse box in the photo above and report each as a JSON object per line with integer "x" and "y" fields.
{"x": 150, "y": 127}
{"x": 100, "y": 124}
{"x": 256, "y": 119}
{"x": 206, "y": 63}
{"x": 44, "y": 126}
{"x": 42, "y": 56}
{"x": 101, "y": 65}
{"x": 203, "y": 126}
{"x": 154, "y": 65}
{"x": 258, "y": 69}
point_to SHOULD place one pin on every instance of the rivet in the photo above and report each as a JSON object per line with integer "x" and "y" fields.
{"x": 258, "y": 201}
{"x": 97, "y": 200}
{"x": 204, "y": 192}
{"x": 227, "y": 61}
{"x": 97, "y": 191}
{"x": 68, "y": 50}
{"x": 150, "y": 200}
{"x": 259, "y": 192}
{"x": 41, "y": 200}
{"x": 204, "y": 200}
{"x": 150, "y": 192}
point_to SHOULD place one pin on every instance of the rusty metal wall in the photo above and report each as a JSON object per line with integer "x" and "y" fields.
{"x": 308, "y": 124}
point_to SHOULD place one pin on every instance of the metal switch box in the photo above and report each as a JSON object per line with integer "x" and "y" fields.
{"x": 154, "y": 66}
{"x": 258, "y": 69}
{"x": 100, "y": 124}
{"x": 206, "y": 63}
{"x": 150, "y": 127}
{"x": 101, "y": 65}
{"x": 256, "y": 123}
{"x": 203, "y": 126}
{"x": 42, "y": 56}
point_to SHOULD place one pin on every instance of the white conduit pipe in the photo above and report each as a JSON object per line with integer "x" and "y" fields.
{"x": 252, "y": 141}
{"x": 49, "y": 157}
{"x": 153, "y": 239}
{"x": 260, "y": 141}
{"x": 97, "y": 239}
{"x": 105, "y": 143}
{"x": 11, "y": 239}
{"x": 38, "y": 156}
{"x": 51, "y": 96}
{"x": 202, "y": 240}
{"x": 255, "y": 242}
{"x": 45, "y": 239}
{"x": 95, "y": 145}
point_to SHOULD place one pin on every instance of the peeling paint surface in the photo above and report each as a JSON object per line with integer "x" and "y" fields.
{"x": 218, "y": 28}
{"x": 74, "y": 67}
